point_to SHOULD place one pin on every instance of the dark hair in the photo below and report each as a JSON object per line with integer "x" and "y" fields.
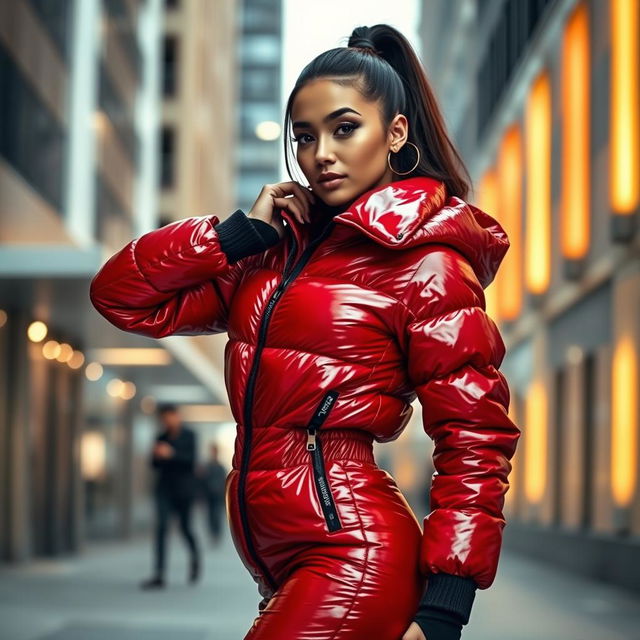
{"x": 381, "y": 64}
{"x": 167, "y": 407}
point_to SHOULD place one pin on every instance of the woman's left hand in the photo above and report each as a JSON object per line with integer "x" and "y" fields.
{"x": 414, "y": 632}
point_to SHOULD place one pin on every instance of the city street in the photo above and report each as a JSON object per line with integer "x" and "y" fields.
{"x": 95, "y": 597}
{"x": 413, "y": 223}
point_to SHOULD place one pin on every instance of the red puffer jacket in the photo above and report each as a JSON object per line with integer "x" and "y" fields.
{"x": 337, "y": 336}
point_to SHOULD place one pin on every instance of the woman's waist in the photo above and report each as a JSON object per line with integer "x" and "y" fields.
{"x": 278, "y": 448}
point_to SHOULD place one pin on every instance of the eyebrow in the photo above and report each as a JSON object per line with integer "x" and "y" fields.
{"x": 332, "y": 116}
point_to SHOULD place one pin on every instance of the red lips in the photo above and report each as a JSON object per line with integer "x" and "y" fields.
{"x": 330, "y": 176}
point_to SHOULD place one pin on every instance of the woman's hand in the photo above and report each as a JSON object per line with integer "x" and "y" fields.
{"x": 291, "y": 196}
{"x": 413, "y": 633}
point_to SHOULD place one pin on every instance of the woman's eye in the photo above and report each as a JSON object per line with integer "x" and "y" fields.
{"x": 349, "y": 126}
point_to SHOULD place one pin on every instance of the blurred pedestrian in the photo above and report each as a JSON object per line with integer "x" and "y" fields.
{"x": 174, "y": 459}
{"x": 213, "y": 477}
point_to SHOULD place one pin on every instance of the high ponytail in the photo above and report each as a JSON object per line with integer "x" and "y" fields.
{"x": 381, "y": 64}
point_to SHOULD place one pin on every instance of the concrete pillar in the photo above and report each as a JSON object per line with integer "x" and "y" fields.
{"x": 572, "y": 441}
{"x": 602, "y": 500}
{"x": 18, "y": 467}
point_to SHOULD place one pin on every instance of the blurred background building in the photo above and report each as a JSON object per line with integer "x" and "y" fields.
{"x": 119, "y": 116}
{"x": 543, "y": 100}
{"x": 113, "y": 122}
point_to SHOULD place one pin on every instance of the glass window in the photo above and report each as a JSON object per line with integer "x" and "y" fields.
{"x": 167, "y": 155}
{"x": 31, "y": 138}
{"x": 258, "y": 154}
{"x": 55, "y": 16}
{"x": 257, "y": 17}
{"x": 261, "y": 50}
{"x": 261, "y": 84}
{"x": 170, "y": 66}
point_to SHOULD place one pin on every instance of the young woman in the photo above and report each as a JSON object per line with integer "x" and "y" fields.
{"x": 369, "y": 296}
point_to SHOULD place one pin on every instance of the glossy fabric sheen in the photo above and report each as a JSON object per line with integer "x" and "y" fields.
{"x": 389, "y": 307}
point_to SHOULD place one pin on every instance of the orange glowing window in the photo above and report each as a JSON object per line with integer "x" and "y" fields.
{"x": 488, "y": 202}
{"x": 624, "y": 421}
{"x": 510, "y": 216}
{"x": 624, "y": 191}
{"x": 535, "y": 442}
{"x": 576, "y": 156}
{"x": 537, "y": 235}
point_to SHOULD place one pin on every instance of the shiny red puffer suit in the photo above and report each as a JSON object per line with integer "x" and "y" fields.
{"x": 329, "y": 343}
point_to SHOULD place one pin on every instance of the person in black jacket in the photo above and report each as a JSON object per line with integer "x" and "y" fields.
{"x": 174, "y": 459}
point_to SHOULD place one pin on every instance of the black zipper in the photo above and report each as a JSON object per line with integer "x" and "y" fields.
{"x": 319, "y": 473}
{"x": 262, "y": 333}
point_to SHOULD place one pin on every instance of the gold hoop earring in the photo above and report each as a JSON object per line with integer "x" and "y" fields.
{"x": 412, "y": 168}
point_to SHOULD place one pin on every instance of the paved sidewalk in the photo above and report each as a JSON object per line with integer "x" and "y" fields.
{"x": 96, "y": 597}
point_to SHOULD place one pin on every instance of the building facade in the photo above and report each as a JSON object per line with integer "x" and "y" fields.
{"x": 543, "y": 100}
{"x": 80, "y": 176}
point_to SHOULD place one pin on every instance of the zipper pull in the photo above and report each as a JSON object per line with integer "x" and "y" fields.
{"x": 311, "y": 439}
{"x": 320, "y": 415}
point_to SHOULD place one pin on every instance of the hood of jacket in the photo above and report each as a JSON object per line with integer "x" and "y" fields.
{"x": 406, "y": 213}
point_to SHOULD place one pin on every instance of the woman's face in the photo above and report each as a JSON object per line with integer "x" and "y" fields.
{"x": 338, "y": 131}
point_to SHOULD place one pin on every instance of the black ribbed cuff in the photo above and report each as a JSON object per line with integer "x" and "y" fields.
{"x": 439, "y": 625}
{"x": 268, "y": 233}
{"x": 449, "y": 593}
{"x": 239, "y": 238}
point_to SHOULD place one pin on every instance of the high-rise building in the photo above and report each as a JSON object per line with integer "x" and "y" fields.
{"x": 260, "y": 111}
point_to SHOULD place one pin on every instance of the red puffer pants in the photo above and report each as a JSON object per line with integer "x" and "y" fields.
{"x": 333, "y": 532}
